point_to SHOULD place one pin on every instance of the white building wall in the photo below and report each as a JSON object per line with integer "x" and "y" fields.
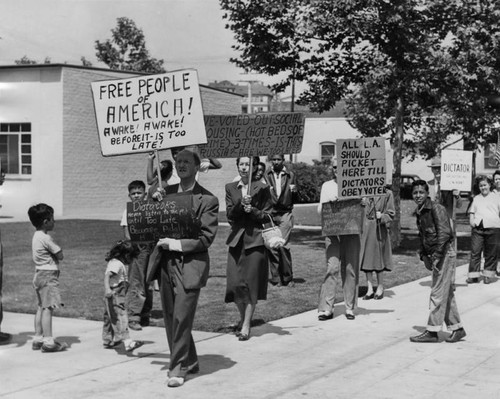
{"x": 34, "y": 97}
{"x": 319, "y": 130}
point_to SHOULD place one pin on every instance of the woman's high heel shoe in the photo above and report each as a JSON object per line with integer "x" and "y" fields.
{"x": 379, "y": 296}
{"x": 244, "y": 336}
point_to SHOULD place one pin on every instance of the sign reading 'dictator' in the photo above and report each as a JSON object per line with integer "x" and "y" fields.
{"x": 456, "y": 170}
{"x": 146, "y": 113}
{"x": 361, "y": 167}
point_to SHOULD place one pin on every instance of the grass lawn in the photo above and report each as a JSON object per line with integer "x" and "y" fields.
{"x": 85, "y": 242}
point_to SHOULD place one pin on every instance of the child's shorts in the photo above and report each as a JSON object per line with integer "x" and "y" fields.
{"x": 46, "y": 284}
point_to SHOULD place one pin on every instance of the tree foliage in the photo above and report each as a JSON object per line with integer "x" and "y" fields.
{"x": 415, "y": 70}
{"x": 127, "y": 49}
{"x": 25, "y": 60}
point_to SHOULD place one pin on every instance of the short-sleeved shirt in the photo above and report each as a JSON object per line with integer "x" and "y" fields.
{"x": 329, "y": 192}
{"x": 44, "y": 248}
{"x": 124, "y": 222}
{"x": 487, "y": 210}
{"x": 118, "y": 272}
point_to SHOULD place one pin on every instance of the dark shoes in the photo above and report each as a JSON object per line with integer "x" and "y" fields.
{"x": 349, "y": 316}
{"x": 323, "y": 316}
{"x": 111, "y": 345}
{"x": 456, "y": 335}
{"x": 244, "y": 337}
{"x": 194, "y": 368}
{"x": 55, "y": 347}
{"x": 472, "y": 280}
{"x": 36, "y": 345}
{"x": 379, "y": 296}
{"x": 134, "y": 345}
{"x": 134, "y": 325}
{"x": 426, "y": 336}
{"x": 487, "y": 280}
{"x": 5, "y": 338}
{"x": 368, "y": 297}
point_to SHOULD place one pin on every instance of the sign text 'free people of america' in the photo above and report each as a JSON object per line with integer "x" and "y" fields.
{"x": 150, "y": 112}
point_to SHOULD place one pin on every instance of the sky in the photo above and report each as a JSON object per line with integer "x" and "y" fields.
{"x": 184, "y": 33}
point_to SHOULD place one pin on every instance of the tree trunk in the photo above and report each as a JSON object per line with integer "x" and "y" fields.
{"x": 397, "y": 147}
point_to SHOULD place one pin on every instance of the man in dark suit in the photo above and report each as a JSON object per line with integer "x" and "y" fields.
{"x": 283, "y": 191}
{"x": 183, "y": 270}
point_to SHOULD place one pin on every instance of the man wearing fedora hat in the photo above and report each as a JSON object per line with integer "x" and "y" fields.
{"x": 444, "y": 197}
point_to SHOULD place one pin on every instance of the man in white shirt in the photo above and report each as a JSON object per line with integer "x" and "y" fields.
{"x": 342, "y": 261}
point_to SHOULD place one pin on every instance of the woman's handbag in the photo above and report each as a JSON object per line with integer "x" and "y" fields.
{"x": 272, "y": 236}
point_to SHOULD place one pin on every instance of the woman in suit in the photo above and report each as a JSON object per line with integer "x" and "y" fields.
{"x": 247, "y": 267}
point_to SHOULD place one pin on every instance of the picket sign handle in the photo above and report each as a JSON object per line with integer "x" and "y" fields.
{"x": 158, "y": 169}
{"x": 250, "y": 178}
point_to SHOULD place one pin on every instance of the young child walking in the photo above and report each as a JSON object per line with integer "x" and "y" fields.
{"x": 46, "y": 256}
{"x": 115, "y": 327}
{"x": 139, "y": 301}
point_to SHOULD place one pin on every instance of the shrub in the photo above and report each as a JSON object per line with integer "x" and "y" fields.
{"x": 310, "y": 178}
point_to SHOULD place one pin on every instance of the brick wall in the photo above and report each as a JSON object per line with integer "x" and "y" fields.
{"x": 96, "y": 186}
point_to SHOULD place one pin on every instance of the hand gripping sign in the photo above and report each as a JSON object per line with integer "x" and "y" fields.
{"x": 148, "y": 113}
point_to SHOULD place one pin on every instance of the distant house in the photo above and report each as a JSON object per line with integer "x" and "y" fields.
{"x": 49, "y": 146}
{"x": 256, "y": 96}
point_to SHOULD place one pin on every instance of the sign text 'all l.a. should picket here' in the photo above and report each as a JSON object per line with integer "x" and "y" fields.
{"x": 148, "y": 113}
{"x": 232, "y": 136}
{"x": 361, "y": 167}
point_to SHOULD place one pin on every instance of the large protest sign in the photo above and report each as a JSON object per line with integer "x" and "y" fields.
{"x": 149, "y": 113}
{"x": 341, "y": 218}
{"x": 361, "y": 167}
{"x": 148, "y": 221}
{"x": 456, "y": 170}
{"x": 232, "y": 136}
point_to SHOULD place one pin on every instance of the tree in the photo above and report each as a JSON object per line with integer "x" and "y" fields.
{"x": 127, "y": 49}
{"x": 25, "y": 60}
{"x": 406, "y": 67}
{"x": 85, "y": 62}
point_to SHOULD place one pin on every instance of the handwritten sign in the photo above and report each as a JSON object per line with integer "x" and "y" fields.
{"x": 232, "y": 136}
{"x": 341, "y": 217}
{"x": 148, "y": 221}
{"x": 362, "y": 167}
{"x": 147, "y": 113}
{"x": 456, "y": 170}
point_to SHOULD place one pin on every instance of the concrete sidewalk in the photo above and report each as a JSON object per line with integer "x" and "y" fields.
{"x": 296, "y": 357}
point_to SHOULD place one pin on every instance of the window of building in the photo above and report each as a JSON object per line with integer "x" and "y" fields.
{"x": 327, "y": 150}
{"x": 15, "y": 148}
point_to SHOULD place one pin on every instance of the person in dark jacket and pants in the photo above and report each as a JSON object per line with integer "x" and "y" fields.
{"x": 283, "y": 191}
{"x": 438, "y": 254}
